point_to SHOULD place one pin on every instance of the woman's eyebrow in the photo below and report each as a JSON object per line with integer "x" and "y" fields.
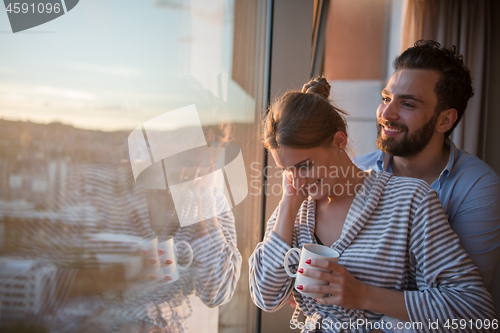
{"x": 297, "y": 165}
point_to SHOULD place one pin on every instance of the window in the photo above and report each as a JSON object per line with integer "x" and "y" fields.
{"x": 123, "y": 124}
{"x": 361, "y": 41}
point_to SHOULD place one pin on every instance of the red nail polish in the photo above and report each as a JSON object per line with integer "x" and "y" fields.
{"x": 168, "y": 278}
{"x": 300, "y": 270}
{"x": 152, "y": 261}
{"x": 308, "y": 261}
{"x": 161, "y": 252}
{"x": 314, "y": 299}
{"x": 300, "y": 287}
{"x": 168, "y": 262}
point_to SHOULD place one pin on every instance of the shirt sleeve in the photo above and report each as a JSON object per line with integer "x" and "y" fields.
{"x": 217, "y": 258}
{"x": 270, "y": 285}
{"x": 477, "y": 222}
{"x": 449, "y": 285}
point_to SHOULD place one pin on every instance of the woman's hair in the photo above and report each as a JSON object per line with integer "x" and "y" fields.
{"x": 303, "y": 119}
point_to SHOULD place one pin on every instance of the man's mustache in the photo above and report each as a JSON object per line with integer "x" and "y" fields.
{"x": 393, "y": 124}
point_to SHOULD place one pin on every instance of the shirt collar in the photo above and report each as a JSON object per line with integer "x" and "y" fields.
{"x": 447, "y": 169}
{"x": 384, "y": 163}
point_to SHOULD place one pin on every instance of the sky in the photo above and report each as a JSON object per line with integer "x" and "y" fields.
{"x": 112, "y": 65}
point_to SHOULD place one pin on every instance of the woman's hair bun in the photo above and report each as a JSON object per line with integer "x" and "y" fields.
{"x": 318, "y": 86}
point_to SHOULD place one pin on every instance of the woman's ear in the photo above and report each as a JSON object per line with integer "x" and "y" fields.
{"x": 339, "y": 140}
{"x": 446, "y": 119}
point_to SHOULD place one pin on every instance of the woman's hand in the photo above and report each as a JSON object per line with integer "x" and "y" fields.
{"x": 148, "y": 262}
{"x": 291, "y": 301}
{"x": 294, "y": 191}
{"x": 293, "y": 196}
{"x": 344, "y": 289}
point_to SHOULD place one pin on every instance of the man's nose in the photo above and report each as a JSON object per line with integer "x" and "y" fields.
{"x": 389, "y": 111}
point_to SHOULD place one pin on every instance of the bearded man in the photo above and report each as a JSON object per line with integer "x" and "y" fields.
{"x": 422, "y": 103}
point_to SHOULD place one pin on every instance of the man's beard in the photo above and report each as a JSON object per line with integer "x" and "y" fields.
{"x": 409, "y": 145}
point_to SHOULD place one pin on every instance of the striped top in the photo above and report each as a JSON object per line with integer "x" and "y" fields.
{"x": 395, "y": 236}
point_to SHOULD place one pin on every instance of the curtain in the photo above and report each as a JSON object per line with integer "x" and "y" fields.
{"x": 465, "y": 24}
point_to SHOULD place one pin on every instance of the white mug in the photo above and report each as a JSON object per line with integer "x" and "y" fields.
{"x": 171, "y": 254}
{"x": 311, "y": 251}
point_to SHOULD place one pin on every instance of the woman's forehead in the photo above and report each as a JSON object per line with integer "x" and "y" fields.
{"x": 287, "y": 157}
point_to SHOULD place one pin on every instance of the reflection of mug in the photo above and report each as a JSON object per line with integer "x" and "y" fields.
{"x": 171, "y": 254}
{"x": 150, "y": 245}
{"x": 311, "y": 251}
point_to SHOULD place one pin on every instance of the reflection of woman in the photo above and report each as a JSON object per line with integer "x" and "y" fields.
{"x": 391, "y": 232}
{"x": 111, "y": 214}
{"x": 164, "y": 307}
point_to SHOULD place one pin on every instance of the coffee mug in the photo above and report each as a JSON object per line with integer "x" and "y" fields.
{"x": 311, "y": 251}
{"x": 170, "y": 253}
{"x": 150, "y": 245}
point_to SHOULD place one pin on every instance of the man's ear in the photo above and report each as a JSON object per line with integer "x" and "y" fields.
{"x": 446, "y": 119}
{"x": 339, "y": 140}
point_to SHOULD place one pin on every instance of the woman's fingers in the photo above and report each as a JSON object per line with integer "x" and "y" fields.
{"x": 340, "y": 278}
{"x": 343, "y": 288}
{"x": 147, "y": 277}
{"x": 326, "y": 264}
{"x": 146, "y": 262}
{"x": 325, "y": 289}
{"x": 316, "y": 274}
{"x": 151, "y": 278}
{"x": 293, "y": 186}
{"x": 291, "y": 301}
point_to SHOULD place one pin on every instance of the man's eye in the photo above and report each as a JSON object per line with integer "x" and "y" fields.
{"x": 386, "y": 99}
{"x": 408, "y": 105}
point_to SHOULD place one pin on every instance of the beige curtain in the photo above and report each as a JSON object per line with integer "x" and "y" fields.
{"x": 465, "y": 24}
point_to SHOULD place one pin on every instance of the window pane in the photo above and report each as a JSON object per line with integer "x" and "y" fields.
{"x": 127, "y": 133}
{"x": 362, "y": 39}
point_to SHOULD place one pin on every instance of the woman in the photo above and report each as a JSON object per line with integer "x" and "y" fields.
{"x": 391, "y": 232}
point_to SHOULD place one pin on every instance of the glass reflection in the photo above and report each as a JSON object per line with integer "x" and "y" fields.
{"x": 76, "y": 217}
{"x": 115, "y": 254}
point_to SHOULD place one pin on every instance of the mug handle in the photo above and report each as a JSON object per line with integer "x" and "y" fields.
{"x": 285, "y": 261}
{"x": 190, "y": 261}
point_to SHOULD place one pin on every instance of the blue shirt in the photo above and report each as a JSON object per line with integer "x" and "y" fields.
{"x": 469, "y": 191}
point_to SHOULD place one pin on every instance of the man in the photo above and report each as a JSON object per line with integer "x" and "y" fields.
{"x": 422, "y": 103}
